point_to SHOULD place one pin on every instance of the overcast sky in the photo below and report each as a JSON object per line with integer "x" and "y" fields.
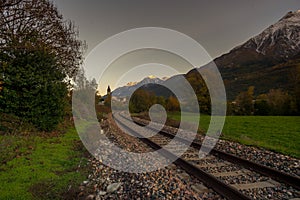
{"x": 218, "y": 25}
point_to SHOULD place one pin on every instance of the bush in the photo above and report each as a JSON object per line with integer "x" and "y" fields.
{"x": 33, "y": 89}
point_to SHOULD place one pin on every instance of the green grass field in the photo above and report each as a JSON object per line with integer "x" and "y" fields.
{"x": 41, "y": 166}
{"x": 277, "y": 133}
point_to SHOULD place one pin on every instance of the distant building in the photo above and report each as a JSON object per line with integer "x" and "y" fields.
{"x": 108, "y": 94}
{"x": 108, "y": 91}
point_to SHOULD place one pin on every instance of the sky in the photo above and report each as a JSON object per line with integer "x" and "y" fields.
{"x": 218, "y": 25}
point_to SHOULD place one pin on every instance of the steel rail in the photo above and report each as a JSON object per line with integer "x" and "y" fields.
{"x": 259, "y": 168}
{"x": 220, "y": 187}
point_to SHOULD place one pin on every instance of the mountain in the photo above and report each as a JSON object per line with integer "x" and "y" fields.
{"x": 280, "y": 41}
{"x": 160, "y": 87}
{"x": 265, "y": 61}
{"x": 127, "y": 90}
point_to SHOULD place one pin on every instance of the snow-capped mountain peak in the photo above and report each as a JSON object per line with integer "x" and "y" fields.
{"x": 281, "y": 38}
{"x": 131, "y": 83}
{"x": 132, "y": 86}
{"x": 151, "y": 77}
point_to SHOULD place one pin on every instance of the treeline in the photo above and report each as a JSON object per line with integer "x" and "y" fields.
{"x": 142, "y": 100}
{"x": 275, "y": 102}
{"x": 39, "y": 54}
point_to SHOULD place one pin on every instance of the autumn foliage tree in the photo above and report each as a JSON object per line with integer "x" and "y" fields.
{"x": 275, "y": 102}
{"x": 244, "y": 102}
{"x": 141, "y": 101}
{"x": 172, "y": 104}
{"x": 295, "y": 76}
{"x": 279, "y": 102}
{"x": 201, "y": 91}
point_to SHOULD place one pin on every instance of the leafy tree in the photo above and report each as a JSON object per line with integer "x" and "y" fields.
{"x": 33, "y": 88}
{"x": 244, "y": 102}
{"x": 295, "y": 79}
{"x": 84, "y": 96}
{"x": 172, "y": 104}
{"x": 9, "y": 3}
{"x": 161, "y": 101}
{"x": 201, "y": 90}
{"x": 279, "y": 101}
{"x": 39, "y": 51}
{"x": 261, "y": 106}
{"x": 140, "y": 101}
{"x": 275, "y": 102}
{"x": 26, "y": 24}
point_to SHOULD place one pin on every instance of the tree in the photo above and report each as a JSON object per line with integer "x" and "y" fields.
{"x": 39, "y": 51}
{"x": 9, "y": 3}
{"x": 275, "y": 102}
{"x": 27, "y": 24}
{"x": 295, "y": 81}
{"x": 261, "y": 106}
{"x": 34, "y": 90}
{"x": 279, "y": 102}
{"x": 84, "y": 95}
{"x": 201, "y": 90}
{"x": 172, "y": 104}
{"x": 244, "y": 102}
{"x": 140, "y": 101}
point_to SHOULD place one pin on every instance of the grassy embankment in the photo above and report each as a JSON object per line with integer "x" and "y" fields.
{"x": 41, "y": 165}
{"x": 277, "y": 133}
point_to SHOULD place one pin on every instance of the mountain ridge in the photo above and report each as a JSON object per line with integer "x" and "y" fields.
{"x": 127, "y": 90}
{"x": 265, "y": 61}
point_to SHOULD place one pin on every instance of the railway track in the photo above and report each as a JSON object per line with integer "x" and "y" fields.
{"x": 228, "y": 175}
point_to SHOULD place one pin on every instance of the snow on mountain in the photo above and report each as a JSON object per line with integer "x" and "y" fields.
{"x": 263, "y": 53}
{"x": 127, "y": 90}
{"x": 281, "y": 39}
{"x": 131, "y": 83}
{"x": 151, "y": 77}
{"x": 264, "y": 61}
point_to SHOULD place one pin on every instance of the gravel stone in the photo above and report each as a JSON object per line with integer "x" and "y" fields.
{"x": 173, "y": 182}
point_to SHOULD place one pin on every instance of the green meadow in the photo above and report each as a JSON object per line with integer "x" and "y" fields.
{"x": 41, "y": 166}
{"x": 276, "y": 133}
